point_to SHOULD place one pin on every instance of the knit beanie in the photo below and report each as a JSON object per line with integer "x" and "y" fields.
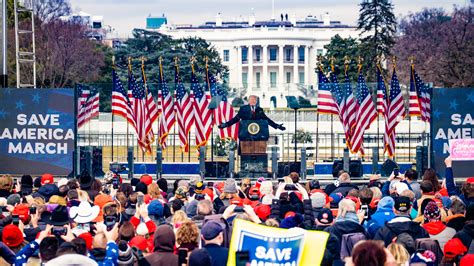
{"x": 230, "y": 186}
{"x": 432, "y": 213}
{"x": 125, "y": 255}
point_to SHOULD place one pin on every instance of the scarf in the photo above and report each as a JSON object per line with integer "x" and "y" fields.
{"x": 350, "y": 216}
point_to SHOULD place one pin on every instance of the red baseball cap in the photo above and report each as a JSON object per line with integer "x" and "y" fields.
{"x": 453, "y": 248}
{"x": 290, "y": 214}
{"x": 138, "y": 242}
{"x": 263, "y": 211}
{"x": 470, "y": 180}
{"x": 146, "y": 179}
{"x": 47, "y": 179}
{"x": 23, "y": 212}
{"x": 12, "y": 236}
{"x": 88, "y": 239}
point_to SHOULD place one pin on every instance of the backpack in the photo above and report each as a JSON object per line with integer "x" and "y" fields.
{"x": 430, "y": 244}
{"x": 348, "y": 241}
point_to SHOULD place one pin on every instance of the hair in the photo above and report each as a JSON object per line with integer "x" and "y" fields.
{"x": 369, "y": 252}
{"x": 72, "y": 194}
{"x": 408, "y": 193}
{"x": 163, "y": 184}
{"x": 81, "y": 246}
{"x": 377, "y": 193}
{"x": 126, "y": 188}
{"x": 272, "y": 222}
{"x": 175, "y": 185}
{"x": 430, "y": 175}
{"x": 457, "y": 206}
{"x": 353, "y": 193}
{"x": 176, "y": 205}
{"x": 126, "y": 231}
{"x": 366, "y": 196}
{"x": 63, "y": 190}
{"x": 179, "y": 217}
{"x": 6, "y": 182}
{"x": 226, "y": 195}
{"x": 99, "y": 240}
{"x": 96, "y": 185}
{"x": 245, "y": 181}
{"x": 467, "y": 190}
{"x": 67, "y": 248}
{"x": 345, "y": 178}
{"x": 188, "y": 233}
{"x": 133, "y": 198}
{"x": 204, "y": 207}
{"x": 295, "y": 177}
{"x": 399, "y": 252}
{"x": 110, "y": 208}
{"x": 72, "y": 184}
{"x": 48, "y": 248}
{"x": 411, "y": 174}
{"x": 345, "y": 206}
{"x": 426, "y": 186}
{"x": 83, "y": 195}
{"x": 154, "y": 191}
{"x": 122, "y": 199}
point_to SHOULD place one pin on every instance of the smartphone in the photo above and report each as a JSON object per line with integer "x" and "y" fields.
{"x": 59, "y": 231}
{"x": 110, "y": 222}
{"x": 239, "y": 209}
{"x": 32, "y": 210}
{"x": 139, "y": 200}
{"x": 182, "y": 256}
{"x": 86, "y": 227}
{"x": 115, "y": 183}
{"x": 290, "y": 187}
{"x": 396, "y": 171}
{"x": 15, "y": 219}
{"x": 365, "y": 208}
{"x": 242, "y": 258}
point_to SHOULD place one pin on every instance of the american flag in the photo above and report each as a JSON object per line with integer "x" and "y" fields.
{"x": 381, "y": 93}
{"x": 366, "y": 113}
{"x": 224, "y": 111}
{"x": 424, "y": 97}
{"x": 350, "y": 115}
{"x": 339, "y": 97}
{"x": 167, "y": 118}
{"x": 88, "y": 105}
{"x": 396, "y": 112}
{"x": 184, "y": 111}
{"x": 141, "y": 114}
{"x": 121, "y": 105}
{"x": 413, "y": 102}
{"x": 202, "y": 114}
{"x": 326, "y": 103}
{"x": 153, "y": 109}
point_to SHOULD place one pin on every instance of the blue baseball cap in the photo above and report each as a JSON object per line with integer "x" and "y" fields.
{"x": 211, "y": 230}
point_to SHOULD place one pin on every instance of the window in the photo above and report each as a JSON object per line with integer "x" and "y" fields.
{"x": 301, "y": 54}
{"x": 288, "y": 77}
{"x": 244, "y": 79}
{"x": 244, "y": 54}
{"x": 273, "y": 54}
{"x": 288, "y": 54}
{"x": 301, "y": 75}
{"x": 257, "y": 79}
{"x": 226, "y": 55}
{"x": 273, "y": 79}
{"x": 319, "y": 52}
{"x": 257, "y": 55}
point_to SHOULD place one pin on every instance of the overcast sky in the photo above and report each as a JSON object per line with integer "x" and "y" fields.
{"x": 124, "y": 15}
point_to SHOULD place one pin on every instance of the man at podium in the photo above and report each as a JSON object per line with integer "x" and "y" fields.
{"x": 251, "y": 112}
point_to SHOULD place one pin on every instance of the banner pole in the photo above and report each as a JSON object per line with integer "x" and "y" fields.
{"x": 332, "y": 137}
{"x": 76, "y": 155}
{"x": 409, "y": 138}
{"x": 317, "y": 137}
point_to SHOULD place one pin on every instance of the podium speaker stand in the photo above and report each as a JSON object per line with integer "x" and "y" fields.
{"x": 253, "y": 137}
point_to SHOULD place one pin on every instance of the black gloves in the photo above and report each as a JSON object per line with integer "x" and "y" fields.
{"x": 281, "y": 127}
{"x": 221, "y": 125}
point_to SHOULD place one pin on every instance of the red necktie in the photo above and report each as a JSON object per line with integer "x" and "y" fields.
{"x": 253, "y": 111}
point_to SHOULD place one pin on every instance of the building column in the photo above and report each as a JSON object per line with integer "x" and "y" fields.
{"x": 250, "y": 66}
{"x": 280, "y": 66}
{"x": 264, "y": 82}
{"x": 296, "y": 76}
{"x": 239, "y": 66}
{"x": 307, "y": 71}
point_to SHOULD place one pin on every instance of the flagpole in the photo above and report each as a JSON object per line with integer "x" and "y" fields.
{"x": 112, "y": 129}
{"x": 129, "y": 73}
{"x": 317, "y": 135}
{"x": 206, "y": 59}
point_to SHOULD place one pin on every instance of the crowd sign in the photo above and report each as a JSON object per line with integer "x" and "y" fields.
{"x": 37, "y": 131}
{"x": 452, "y": 119}
{"x": 461, "y": 149}
{"x": 276, "y": 246}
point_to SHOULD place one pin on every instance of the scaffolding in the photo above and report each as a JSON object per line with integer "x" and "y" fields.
{"x": 25, "y": 43}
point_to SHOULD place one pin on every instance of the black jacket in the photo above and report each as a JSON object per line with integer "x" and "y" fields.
{"x": 245, "y": 113}
{"x": 343, "y": 188}
{"x": 466, "y": 235}
{"x": 457, "y": 223}
{"x": 219, "y": 255}
{"x": 391, "y": 230}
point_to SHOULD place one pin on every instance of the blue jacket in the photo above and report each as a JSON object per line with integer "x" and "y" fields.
{"x": 111, "y": 255}
{"x": 6, "y": 253}
{"x": 452, "y": 189}
{"x": 383, "y": 214}
{"x": 25, "y": 253}
{"x": 218, "y": 254}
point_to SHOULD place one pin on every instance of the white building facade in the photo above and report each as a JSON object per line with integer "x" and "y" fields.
{"x": 271, "y": 59}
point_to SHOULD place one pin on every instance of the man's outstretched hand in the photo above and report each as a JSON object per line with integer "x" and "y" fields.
{"x": 281, "y": 127}
{"x": 221, "y": 125}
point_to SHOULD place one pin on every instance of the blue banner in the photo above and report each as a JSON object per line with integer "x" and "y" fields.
{"x": 452, "y": 118}
{"x": 37, "y": 131}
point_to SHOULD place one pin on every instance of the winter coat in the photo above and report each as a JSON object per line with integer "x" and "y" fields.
{"x": 456, "y": 221}
{"x": 398, "y": 225}
{"x": 453, "y": 190}
{"x": 383, "y": 214}
{"x": 439, "y": 231}
{"x": 343, "y": 188}
{"x": 466, "y": 235}
{"x": 164, "y": 241}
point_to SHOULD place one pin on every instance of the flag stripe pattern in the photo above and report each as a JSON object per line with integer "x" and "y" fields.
{"x": 350, "y": 116}
{"x": 224, "y": 111}
{"x": 167, "y": 117}
{"x": 413, "y": 102}
{"x": 121, "y": 105}
{"x": 184, "y": 111}
{"x": 88, "y": 105}
{"x": 396, "y": 112}
{"x": 203, "y": 115}
{"x": 366, "y": 113}
{"x": 424, "y": 97}
{"x": 141, "y": 114}
{"x": 381, "y": 94}
{"x": 339, "y": 97}
{"x": 326, "y": 102}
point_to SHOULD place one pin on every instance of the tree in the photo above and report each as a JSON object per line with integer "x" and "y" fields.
{"x": 339, "y": 48}
{"x": 377, "y": 25}
{"x": 442, "y": 46}
{"x": 51, "y": 10}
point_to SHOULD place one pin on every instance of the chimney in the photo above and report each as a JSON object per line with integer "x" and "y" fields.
{"x": 326, "y": 19}
{"x": 219, "y": 20}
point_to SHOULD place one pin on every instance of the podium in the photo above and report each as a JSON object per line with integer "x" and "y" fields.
{"x": 253, "y": 136}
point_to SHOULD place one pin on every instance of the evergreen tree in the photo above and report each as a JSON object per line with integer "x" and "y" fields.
{"x": 339, "y": 48}
{"x": 377, "y": 25}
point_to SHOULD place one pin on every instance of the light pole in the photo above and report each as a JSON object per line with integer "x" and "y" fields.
{"x": 4, "y": 74}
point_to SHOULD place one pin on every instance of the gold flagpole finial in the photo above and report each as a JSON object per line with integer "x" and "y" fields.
{"x": 394, "y": 61}
{"x": 347, "y": 61}
{"x": 359, "y": 63}
{"x": 113, "y": 61}
{"x": 192, "y": 60}
{"x": 129, "y": 64}
{"x": 319, "y": 61}
{"x": 332, "y": 59}
{"x": 411, "y": 58}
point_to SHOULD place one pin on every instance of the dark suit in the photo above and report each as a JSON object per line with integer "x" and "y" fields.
{"x": 245, "y": 113}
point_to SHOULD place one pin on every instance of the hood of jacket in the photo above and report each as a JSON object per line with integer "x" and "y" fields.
{"x": 410, "y": 227}
{"x": 385, "y": 204}
{"x": 434, "y": 228}
{"x": 164, "y": 239}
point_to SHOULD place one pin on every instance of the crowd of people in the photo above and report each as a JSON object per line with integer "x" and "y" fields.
{"x": 404, "y": 220}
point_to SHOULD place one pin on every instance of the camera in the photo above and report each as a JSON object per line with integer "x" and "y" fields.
{"x": 290, "y": 187}
{"x": 32, "y": 210}
{"x": 239, "y": 209}
{"x": 115, "y": 182}
{"x": 110, "y": 221}
{"x": 15, "y": 219}
{"x": 365, "y": 208}
{"x": 59, "y": 231}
